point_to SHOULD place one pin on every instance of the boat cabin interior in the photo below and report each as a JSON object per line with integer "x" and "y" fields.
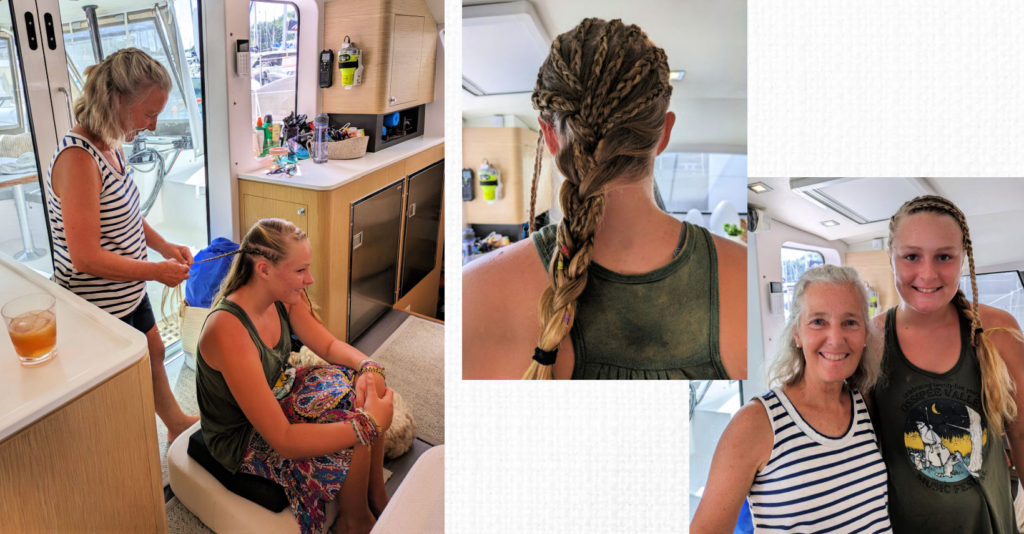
{"x": 254, "y": 85}
{"x": 799, "y": 223}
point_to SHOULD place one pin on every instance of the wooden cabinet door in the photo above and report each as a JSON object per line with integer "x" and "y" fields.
{"x": 406, "y": 52}
{"x": 255, "y": 208}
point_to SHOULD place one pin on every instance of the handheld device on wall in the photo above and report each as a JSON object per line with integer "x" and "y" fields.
{"x": 326, "y": 77}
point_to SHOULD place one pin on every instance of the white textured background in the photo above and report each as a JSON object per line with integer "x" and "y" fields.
{"x": 866, "y": 88}
{"x": 885, "y": 88}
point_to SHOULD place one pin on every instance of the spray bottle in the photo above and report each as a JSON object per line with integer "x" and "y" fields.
{"x": 264, "y": 136}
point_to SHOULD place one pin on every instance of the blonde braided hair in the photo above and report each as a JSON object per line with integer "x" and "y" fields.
{"x": 269, "y": 238}
{"x": 997, "y": 388}
{"x": 604, "y": 88}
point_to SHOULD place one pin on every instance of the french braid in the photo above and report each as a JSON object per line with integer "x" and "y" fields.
{"x": 604, "y": 88}
{"x": 997, "y": 388}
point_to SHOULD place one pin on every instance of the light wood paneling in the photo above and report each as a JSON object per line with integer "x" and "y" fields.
{"x": 92, "y": 465}
{"x": 398, "y": 42}
{"x": 328, "y": 225}
{"x": 874, "y": 268}
{"x": 511, "y": 151}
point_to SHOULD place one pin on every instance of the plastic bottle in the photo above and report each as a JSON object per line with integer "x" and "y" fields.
{"x": 268, "y": 133}
{"x": 468, "y": 240}
{"x": 320, "y": 139}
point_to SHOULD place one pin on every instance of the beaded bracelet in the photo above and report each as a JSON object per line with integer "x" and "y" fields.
{"x": 365, "y": 427}
{"x": 370, "y": 366}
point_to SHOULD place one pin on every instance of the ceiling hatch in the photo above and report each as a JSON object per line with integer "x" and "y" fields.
{"x": 862, "y": 200}
{"x": 503, "y": 46}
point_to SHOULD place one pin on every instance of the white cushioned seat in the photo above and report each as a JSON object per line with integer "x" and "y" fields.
{"x": 418, "y": 505}
{"x": 216, "y": 506}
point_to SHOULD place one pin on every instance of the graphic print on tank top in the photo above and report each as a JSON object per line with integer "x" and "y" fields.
{"x": 944, "y": 437}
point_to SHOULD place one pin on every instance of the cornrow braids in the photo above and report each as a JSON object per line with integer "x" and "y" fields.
{"x": 589, "y": 72}
{"x": 997, "y": 388}
{"x": 269, "y": 238}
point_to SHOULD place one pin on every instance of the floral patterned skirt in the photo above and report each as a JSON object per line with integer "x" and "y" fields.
{"x": 317, "y": 395}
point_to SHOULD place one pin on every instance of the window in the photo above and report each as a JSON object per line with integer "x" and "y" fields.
{"x": 700, "y": 181}
{"x": 1003, "y": 290}
{"x": 12, "y": 110}
{"x": 795, "y": 262}
{"x": 274, "y": 49}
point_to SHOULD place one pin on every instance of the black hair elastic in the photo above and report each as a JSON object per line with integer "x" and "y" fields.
{"x": 979, "y": 331}
{"x": 545, "y": 357}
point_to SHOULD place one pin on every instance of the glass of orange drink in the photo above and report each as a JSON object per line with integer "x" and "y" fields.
{"x": 32, "y": 324}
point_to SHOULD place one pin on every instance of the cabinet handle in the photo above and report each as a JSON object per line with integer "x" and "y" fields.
{"x": 412, "y": 209}
{"x": 357, "y": 240}
{"x": 302, "y": 211}
{"x": 393, "y": 100}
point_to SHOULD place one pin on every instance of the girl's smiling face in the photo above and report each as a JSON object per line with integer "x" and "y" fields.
{"x": 832, "y": 331}
{"x": 927, "y": 255}
{"x": 291, "y": 275}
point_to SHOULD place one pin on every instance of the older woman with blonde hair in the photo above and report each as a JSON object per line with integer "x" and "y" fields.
{"x": 805, "y": 454}
{"x": 100, "y": 237}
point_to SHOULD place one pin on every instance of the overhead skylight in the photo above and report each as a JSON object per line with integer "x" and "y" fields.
{"x": 503, "y": 46}
{"x": 862, "y": 200}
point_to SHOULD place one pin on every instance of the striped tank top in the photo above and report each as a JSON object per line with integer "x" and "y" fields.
{"x": 121, "y": 232}
{"x": 815, "y": 483}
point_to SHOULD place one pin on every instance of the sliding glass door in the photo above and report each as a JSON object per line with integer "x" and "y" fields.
{"x": 59, "y": 41}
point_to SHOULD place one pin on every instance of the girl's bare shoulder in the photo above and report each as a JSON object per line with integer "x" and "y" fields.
{"x": 500, "y": 292}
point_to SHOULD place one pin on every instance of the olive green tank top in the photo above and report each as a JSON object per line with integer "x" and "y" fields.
{"x": 226, "y": 430}
{"x": 662, "y": 324}
{"x": 947, "y": 472}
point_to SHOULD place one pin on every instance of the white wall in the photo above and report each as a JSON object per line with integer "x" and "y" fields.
{"x": 766, "y": 247}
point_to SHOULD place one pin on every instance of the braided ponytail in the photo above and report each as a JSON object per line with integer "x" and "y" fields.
{"x": 997, "y": 388}
{"x": 581, "y": 87}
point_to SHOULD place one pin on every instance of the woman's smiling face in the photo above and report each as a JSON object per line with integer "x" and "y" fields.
{"x": 927, "y": 255}
{"x": 832, "y": 331}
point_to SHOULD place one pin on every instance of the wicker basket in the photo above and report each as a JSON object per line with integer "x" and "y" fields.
{"x": 351, "y": 148}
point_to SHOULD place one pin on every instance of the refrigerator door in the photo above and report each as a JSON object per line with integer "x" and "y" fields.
{"x": 373, "y": 256}
{"x": 422, "y": 220}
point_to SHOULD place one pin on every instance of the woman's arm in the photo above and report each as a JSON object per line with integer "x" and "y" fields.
{"x": 742, "y": 451}
{"x": 171, "y": 251}
{"x": 76, "y": 181}
{"x": 227, "y": 347}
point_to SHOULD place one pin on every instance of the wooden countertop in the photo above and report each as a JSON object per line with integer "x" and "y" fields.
{"x": 336, "y": 173}
{"x": 92, "y": 346}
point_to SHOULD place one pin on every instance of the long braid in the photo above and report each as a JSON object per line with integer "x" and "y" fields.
{"x": 997, "y": 388}
{"x": 586, "y": 65}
